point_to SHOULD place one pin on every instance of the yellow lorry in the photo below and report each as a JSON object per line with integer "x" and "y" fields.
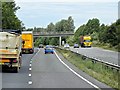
{"x": 10, "y": 50}
{"x": 27, "y": 42}
{"x": 85, "y": 41}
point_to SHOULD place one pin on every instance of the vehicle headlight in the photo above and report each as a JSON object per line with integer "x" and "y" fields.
{"x": 84, "y": 42}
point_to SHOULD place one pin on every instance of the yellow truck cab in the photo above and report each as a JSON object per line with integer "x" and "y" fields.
{"x": 85, "y": 41}
{"x": 27, "y": 42}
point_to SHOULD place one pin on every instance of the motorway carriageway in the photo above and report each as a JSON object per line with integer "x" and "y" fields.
{"x": 41, "y": 70}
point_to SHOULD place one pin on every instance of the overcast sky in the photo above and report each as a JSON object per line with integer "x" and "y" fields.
{"x": 40, "y": 13}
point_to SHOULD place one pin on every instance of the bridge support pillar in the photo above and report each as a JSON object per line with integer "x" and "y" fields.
{"x": 60, "y": 41}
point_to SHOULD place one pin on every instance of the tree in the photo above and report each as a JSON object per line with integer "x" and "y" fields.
{"x": 51, "y": 27}
{"x": 71, "y": 26}
{"x": 101, "y": 33}
{"x": 70, "y": 40}
{"x": 79, "y": 32}
{"x": 65, "y": 25}
{"x": 9, "y": 18}
{"x": 111, "y": 35}
{"x": 54, "y": 41}
{"x": 92, "y": 26}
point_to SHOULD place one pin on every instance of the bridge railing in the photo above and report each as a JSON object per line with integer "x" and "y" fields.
{"x": 48, "y": 33}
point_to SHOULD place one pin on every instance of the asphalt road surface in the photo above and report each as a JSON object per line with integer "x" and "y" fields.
{"x": 102, "y": 54}
{"x": 41, "y": 70}
{"x": 18, "y": 80}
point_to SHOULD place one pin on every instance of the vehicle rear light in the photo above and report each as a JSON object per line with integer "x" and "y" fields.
{"x": 4, "y": 60}
{"x": 14, "y": 61}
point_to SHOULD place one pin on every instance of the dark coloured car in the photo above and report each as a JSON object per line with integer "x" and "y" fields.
{"x": 49, "y": 49}
{"x": 76, "y": 46}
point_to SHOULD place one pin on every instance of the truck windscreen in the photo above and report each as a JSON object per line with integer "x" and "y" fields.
{"x": 87, "y": 41}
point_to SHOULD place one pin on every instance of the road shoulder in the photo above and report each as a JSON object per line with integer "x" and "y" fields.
{"x": 83, "y": 74}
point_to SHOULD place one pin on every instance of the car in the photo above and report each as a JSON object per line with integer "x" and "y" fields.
{"x": 76, "y": 46}
{"x": 49, "y": 49}
{"x": 41, "y": 46}
{"x": 66, "y": 46}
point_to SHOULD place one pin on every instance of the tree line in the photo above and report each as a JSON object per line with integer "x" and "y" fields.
{"x": 101, "y": 33}
{"x": 61, "y": 26}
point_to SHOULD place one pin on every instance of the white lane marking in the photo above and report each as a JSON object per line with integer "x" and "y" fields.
{"x": 30, "y": 65}
{"x": 30, "y": 69}
{"x": 34, "y": 56}
{"x": 30, "y": 82}
{"x": 77, "y": 73}
{"x": 30, "y": 61}
{"x": 30, "y": 75}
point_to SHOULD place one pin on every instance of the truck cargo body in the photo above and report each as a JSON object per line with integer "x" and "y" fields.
{"x": 85, "y": 41}
{"x": 10, "y": 51}
{"x": 27, "y": 41}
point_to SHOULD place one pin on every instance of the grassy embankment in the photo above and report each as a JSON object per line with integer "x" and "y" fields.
{"x": 97, "y": 70}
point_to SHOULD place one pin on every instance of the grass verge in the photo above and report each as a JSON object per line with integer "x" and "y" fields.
{"x": 97, "y": 70}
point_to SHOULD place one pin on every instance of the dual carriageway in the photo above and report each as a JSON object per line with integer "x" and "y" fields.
{"x": 41, "y": 70}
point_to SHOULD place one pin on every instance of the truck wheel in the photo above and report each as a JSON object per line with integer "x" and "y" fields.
{"x": 15, "y": 69}
{"x": 82, "y": 45}
{"x": 20, "y": 62}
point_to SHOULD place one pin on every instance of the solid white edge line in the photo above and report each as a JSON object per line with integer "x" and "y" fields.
{"x": 77, "y": 73}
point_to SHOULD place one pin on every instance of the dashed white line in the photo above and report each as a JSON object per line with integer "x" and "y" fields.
{"x": 30, "y": 82}
{"x": 30, "y": 69}
{"x": 30, "y": 65}
{"x": 35, "y": 54}
{"x": 77, "y": 73}
{"x": 30, "y": 61}
{"x": 30, "y": 75}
